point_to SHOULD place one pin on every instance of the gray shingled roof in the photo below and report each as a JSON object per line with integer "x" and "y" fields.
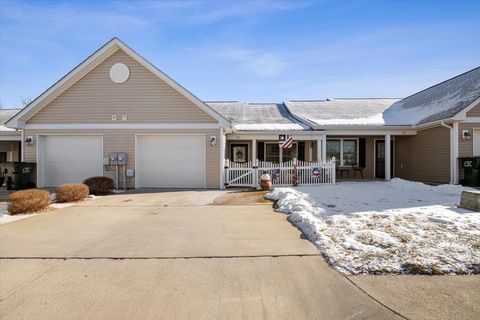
{"x": 438, "y": 102}
{"x": 257, "y": 116}
{"x": 341, "y": 112}
{"x": 5, "y": 115}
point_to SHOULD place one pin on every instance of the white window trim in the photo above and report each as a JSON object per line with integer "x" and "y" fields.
{"x": 341, "y": 149}
{"x": 280, "y": 153}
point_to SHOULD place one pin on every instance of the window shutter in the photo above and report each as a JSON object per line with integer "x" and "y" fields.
{"x": 361, "y": 153}
{"x": 301, "y": 151}
{"x": 261, "y": 150}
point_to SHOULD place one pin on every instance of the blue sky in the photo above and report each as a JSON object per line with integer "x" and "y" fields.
{"x": 254, "y": 51}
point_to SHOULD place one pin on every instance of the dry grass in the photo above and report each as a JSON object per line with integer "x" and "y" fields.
{"x": 99, "y": 185}
{"x": 72, "y": 192}
{"x": 28, "y": 201}
{"x": 242, "y": 198}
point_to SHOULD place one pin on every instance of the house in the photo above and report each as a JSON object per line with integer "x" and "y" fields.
{"x": 116, "y": 101}
{"x": 10, "y": 139}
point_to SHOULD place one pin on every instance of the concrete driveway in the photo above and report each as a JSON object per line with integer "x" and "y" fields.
{"x": 174, "y": 255}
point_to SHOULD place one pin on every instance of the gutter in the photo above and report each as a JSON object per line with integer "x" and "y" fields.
{"x": 453, "y": 151}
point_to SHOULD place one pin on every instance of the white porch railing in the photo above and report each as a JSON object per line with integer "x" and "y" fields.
{"x": 283, "y": 174}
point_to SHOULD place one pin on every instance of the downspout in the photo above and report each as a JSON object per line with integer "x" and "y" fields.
{"x": 453, "y": 151}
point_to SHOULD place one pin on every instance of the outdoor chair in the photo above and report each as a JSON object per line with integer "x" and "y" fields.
{"x": 357, "y": 168}
{"x": 341, "y": 170}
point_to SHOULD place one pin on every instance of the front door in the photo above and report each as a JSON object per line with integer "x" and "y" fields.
{"x": 380, "y": 159}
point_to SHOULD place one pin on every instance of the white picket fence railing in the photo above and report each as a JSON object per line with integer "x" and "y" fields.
{"x": 248, "y": 174}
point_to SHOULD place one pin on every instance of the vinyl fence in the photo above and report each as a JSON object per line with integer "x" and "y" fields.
{"x": 293, "y": 172}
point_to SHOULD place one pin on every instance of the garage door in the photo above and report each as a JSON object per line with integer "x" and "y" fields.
{"x": 69, "y": 159}
{"x": 171, "y": 161}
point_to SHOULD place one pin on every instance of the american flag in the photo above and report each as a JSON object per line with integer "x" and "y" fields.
{"x": 285, "y": 141}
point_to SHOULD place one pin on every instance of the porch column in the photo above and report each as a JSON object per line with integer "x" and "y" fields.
{"x": 324, "y": 147}
{"x": 455, "y": 153}
{"x": 254, "y": 150}
{"x": 222, "y": 158}
{"x": 388, "y": 159}
{"x": 319, "y": 149}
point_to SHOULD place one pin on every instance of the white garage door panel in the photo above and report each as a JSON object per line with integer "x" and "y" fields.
{"x": 71, "y": 159}
{"x": 476, "y": 142}
{"x": 171, "y": 161}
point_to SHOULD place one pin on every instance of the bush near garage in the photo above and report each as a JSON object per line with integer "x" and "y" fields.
{"x": 99, "y": 185}
{"x": 72, "y": 192}
{"x": 28, "y": 201}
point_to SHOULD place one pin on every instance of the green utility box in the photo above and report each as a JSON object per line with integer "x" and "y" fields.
{"x": 470, "y": 166}
{"x": 18, "y": 175}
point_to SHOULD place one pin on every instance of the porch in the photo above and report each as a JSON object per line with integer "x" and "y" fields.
{"x": 356, "y": 156}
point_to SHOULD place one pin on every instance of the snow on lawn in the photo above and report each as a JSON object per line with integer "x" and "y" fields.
{"x": 386, "y": 227}
{"x": 5, "y": 217}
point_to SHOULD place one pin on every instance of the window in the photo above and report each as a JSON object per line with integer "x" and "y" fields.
{"x": 290, "y": 154}
{"x": 345, "y": 151}
{"x": 272, "y": 152}
{"x": 333, "y": 149}
{"x": 350, "y": 152}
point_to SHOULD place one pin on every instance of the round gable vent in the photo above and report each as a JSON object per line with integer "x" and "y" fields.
{"x": 119, "y": 73}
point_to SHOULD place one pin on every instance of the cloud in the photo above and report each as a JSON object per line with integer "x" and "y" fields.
{"x": 227, "y": 9}
{"x": 259, "y": 63}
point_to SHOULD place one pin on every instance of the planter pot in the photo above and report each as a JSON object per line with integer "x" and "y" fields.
{"x": 266, "y": 185}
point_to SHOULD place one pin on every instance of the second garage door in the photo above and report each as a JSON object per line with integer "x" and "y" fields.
{"x": 171, "y": 161}
{"x": 69, "y": 159}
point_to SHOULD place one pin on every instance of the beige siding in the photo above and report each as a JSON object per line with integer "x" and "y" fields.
{"x": 144, "y": 98}
{"x": 124, "y": 141}
{"x": 474, "y": 112}
{"x": 12, "y": 149}
{"x": 465, "y": 146}
{"x": 425, "y": 156}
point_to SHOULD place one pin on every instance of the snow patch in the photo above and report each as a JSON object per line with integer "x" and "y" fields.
{"x": 386, "y": 227}
{"x": 268, "y": 126}
{"x": 5, "y": 217}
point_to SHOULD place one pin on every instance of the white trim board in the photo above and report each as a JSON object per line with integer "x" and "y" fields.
{"x": 74, "y": 126}
{"x": 11, "y": 138}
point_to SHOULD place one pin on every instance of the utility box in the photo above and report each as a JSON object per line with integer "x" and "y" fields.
{"x": 117, "y": 159}
{"x": 470, "y": 166}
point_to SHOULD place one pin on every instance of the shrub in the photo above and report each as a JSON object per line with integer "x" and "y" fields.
{"x": 99, "y": 185}
{"x": 72, "y": 192}
{"x": 27, "y": 201}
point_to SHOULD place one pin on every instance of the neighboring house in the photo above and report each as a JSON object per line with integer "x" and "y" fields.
{"x": 116, "y": 101}
{"x": 10, "y": 139}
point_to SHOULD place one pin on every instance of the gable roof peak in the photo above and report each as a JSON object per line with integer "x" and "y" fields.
{"x": 105, "y": 51}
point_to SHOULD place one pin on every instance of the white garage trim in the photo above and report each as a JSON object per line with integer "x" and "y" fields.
{"x": 203, "y": 135}
{"x": 40, "y": 155}
{"x": 82, "y": 126}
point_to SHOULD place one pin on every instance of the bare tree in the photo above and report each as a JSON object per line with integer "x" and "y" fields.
{"x": 26, "y": 101}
